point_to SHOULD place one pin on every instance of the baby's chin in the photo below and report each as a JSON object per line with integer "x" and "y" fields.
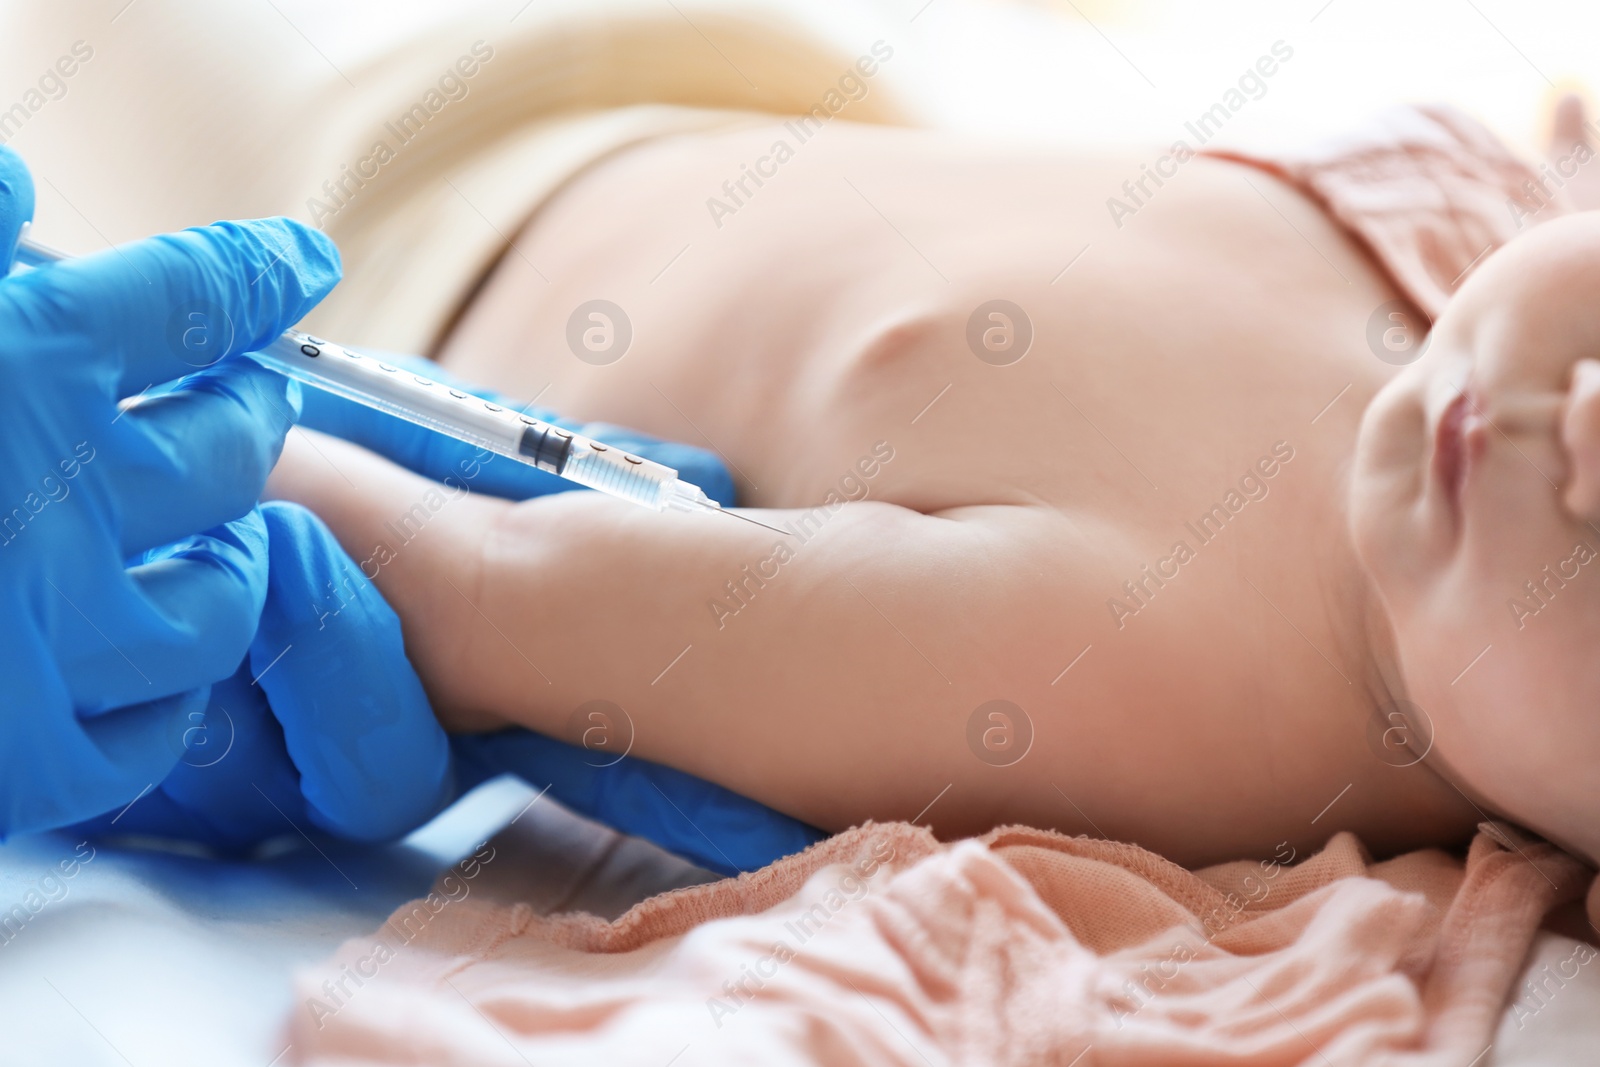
{"x": 1514, "y": 761}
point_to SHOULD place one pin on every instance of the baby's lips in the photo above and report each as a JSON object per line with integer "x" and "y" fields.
{"x": 1580, "y": 436}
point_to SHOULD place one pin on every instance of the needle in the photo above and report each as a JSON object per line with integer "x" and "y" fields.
{"x": 746, "y": 518}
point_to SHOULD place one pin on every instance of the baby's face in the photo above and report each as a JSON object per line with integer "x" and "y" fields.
{"x": 1476, "y": 509}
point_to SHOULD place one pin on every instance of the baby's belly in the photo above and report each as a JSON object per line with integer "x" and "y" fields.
{"x": 978, "y": 312}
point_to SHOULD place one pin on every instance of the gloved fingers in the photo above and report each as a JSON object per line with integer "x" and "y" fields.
{"x": 234, "y": 786}
{"x": 197, "y": 456}
{"x": 455, "y": 463}
{"x": 143, "y": 741}
{"x": 64, "y": 769}
{"x": 181, "y": 618}
{"x": 147, "y": 733}
{"x": 16, "y": 204}
{"x": 163, "y": 307}
{"x": 330, "y": 656}
{"x": 152, "y": 815}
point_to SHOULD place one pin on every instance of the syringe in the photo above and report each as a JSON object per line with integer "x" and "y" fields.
{"x": 454, "y": 413}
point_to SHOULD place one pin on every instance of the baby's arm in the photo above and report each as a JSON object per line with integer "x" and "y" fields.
{"x": 836, "y": 686}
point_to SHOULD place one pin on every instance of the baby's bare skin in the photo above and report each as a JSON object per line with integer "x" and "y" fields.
{"x": 1218, "y": 333}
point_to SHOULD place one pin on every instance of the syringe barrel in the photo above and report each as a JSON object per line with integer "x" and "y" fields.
{"x": 415, "y": 398}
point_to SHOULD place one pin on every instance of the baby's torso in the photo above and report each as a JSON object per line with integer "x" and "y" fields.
{"x": 1169, "y": 396}
{"x": 982, "y": 311}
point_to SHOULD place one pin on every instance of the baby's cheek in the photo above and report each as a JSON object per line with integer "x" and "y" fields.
{"x": 1580, "y": 436}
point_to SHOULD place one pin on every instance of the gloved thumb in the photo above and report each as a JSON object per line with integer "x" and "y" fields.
{"x": 373, "y": 761}
{"x": 16, "y": 204}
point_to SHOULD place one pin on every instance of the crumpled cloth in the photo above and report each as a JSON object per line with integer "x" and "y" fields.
{"x": 884, "y": 946}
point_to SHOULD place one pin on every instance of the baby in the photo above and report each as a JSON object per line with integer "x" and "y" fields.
{"x": 1117, "y": 523}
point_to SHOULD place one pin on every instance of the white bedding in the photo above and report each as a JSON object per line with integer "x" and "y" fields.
{"x": 152, "y": 959}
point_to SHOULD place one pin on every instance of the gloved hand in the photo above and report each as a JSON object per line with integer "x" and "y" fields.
{"x": 103, "y": 661}
{"x": 324, "y": 724}
{"x": 712, "y": 826}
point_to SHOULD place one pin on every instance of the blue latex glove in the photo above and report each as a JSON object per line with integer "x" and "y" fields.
{"x": 324, "y": 725}
{"x": 132, "y": 569}
{"x": 712, "y": 826}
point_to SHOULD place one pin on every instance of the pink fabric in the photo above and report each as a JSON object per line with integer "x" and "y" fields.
{"x": 1429, "y": 190}
{"x": 883, "y": 946}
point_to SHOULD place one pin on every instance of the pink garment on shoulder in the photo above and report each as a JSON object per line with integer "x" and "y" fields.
{"x": 1428, "y": 190}
{"x": 883, "y": 946}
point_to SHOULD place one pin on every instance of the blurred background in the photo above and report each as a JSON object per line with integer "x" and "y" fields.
{"x": 1129, "y": 71}
{"x": 1122, "y": 70}
{"x": 1085, "y": 72}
